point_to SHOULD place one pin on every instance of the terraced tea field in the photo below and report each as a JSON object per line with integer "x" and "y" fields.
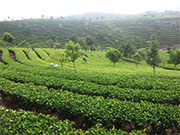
{"x": 99, "y": 99}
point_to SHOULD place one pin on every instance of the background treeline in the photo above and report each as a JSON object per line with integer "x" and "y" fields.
{"x": 104, "y": 32}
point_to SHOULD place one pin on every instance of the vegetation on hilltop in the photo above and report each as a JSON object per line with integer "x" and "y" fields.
{"x": 96, "y": 32}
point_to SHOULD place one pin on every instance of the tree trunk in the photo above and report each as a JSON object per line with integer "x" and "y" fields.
{"x": 175, "y": 67}
{"x": 154, "y": 70}
{"x": 74, "y": 67}
{"x": 114, "y": 63}
{"x": 61, "y": 65}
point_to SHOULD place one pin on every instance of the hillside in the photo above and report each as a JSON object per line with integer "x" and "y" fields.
{"x": 100, "y": 31}
{"x": 118, "y": 98}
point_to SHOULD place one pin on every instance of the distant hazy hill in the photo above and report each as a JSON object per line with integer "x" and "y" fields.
{"x": 112, "y": 15}
{"x": 101, "y": 29}
{"x": 96, "y": 15}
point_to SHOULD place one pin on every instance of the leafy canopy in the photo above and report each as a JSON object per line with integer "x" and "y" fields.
{"x": 127, "y": 49}
{"x": 174, "y": 57}
{"x": 8, "y": 37}
{"x": 113, "y": 55}
{"x": 72, "y": 51}
{"x": 153, "y": 52}
{"x": 137, "y": 57}
{"x": 60, "y": 56}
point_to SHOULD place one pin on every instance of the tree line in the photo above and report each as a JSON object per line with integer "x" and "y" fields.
{"x": 150, "y": 54}
{"x": 125, "y": 51}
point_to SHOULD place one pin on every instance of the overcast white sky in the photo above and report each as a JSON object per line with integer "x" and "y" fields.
{"x": 36, "y": 8}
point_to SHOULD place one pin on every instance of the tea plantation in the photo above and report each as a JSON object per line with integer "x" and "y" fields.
{"x": 99, "y": 98}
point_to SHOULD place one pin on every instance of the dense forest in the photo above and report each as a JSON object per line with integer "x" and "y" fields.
{"x": 104, "y": 32}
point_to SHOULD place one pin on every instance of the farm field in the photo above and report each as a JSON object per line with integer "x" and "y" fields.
{"x": 97, "y": 99}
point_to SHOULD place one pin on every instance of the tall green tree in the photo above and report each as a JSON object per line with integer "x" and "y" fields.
{"x": 174, "y": 57}
{"x": 51, "y": 40}
{"x": 113, "y": 55}
{"x": 72, "y": 51}
{"x": 50, "y": 43}
{"x": 127, "y": 49}
{"x": 59, "y": 56}
{"x": 7, "y": 38}
{"x": 153, "y": 53}
{"x": 142, "y": 53}
{"x": 137, "y": 58}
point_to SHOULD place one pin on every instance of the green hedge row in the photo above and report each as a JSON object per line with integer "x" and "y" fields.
{"x": 25, "y": 122}
{"x": 82, "y": 87}
{"x": 106, "y": 111}
{"x": 124, "y": 80}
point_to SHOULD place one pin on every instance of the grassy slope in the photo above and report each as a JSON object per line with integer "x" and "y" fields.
{"x": 96, "y": 62}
